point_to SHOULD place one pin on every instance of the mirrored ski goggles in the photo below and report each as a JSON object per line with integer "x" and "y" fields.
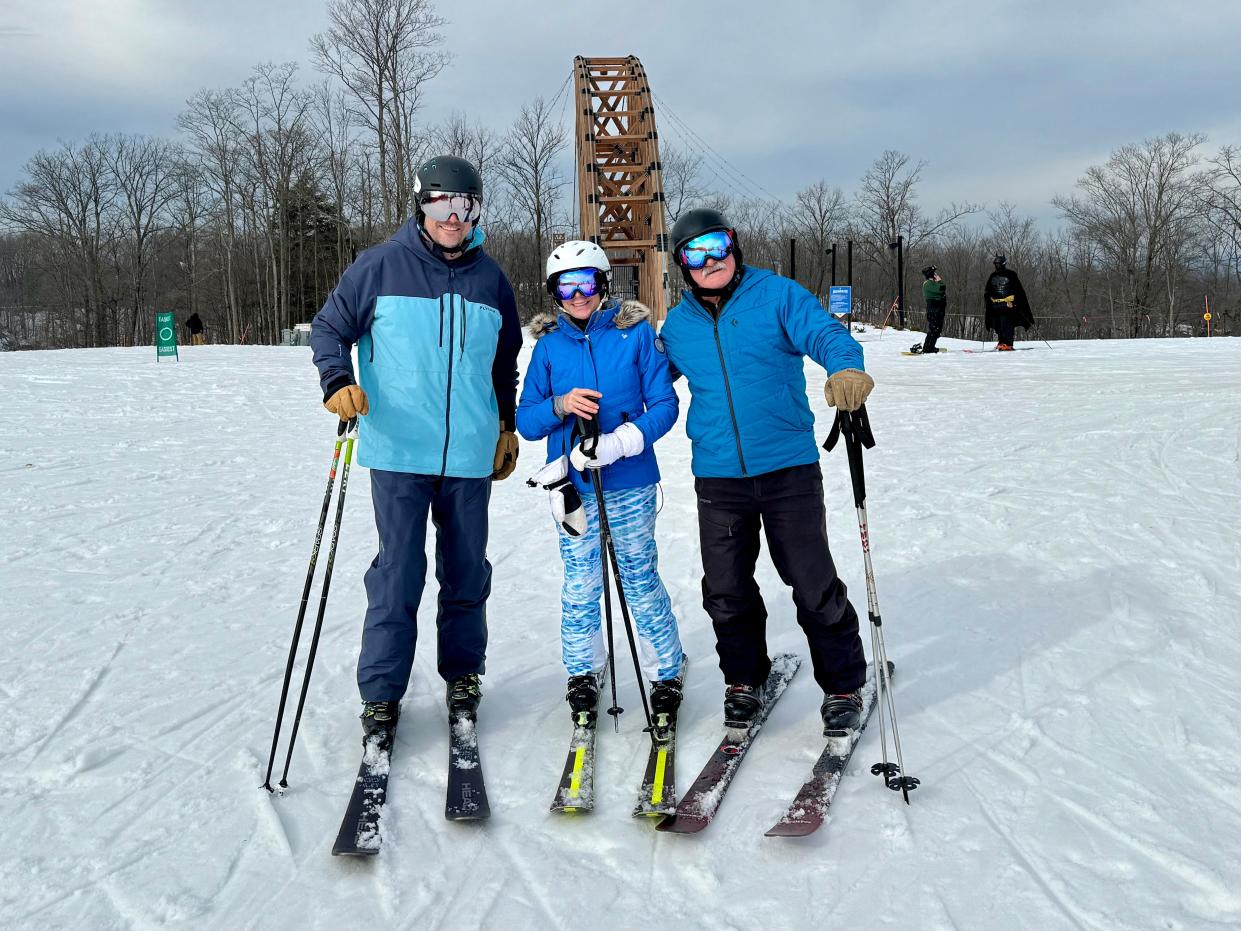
{"x": 718, "y": 245}
{"x": 584, "y": 281}
{"x": 440, "y": 206}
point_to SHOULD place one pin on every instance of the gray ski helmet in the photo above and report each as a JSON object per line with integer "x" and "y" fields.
{"x": 448, "y": 173}
{"x": 694, "y": 223}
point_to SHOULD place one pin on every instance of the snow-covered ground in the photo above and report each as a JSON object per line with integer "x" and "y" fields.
{"x": 1055, "y": 536}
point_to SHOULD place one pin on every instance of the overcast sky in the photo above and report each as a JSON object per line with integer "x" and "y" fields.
{"x": 1003, "y": 100}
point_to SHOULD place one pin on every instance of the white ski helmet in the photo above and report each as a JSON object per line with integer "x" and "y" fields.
{"x": 576, "y": 253}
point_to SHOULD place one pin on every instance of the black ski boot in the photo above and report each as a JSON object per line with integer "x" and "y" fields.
{"x": 380, "y": 717}
{"x": 665, "y": 701}
{"x": 742, "y": 703}
{"x": 841, "y": 714}
{"x": 464, "y": 694}
{"x": 583, "y": 697}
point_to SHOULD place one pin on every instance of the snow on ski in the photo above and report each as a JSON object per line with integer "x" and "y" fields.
{"x": 359, "y": 834}
{"x": 467, "y": 793}
{"x": 809, "y": 809}
{"x": 702, "y": 801}
{"x": 576, "y": 791}
{"x": 658, "y": 795}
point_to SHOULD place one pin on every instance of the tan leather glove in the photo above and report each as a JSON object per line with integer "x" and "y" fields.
{"x": 848, "y": 389}
{"x": 506, "y": 455}
{"x": 348, "y": 402}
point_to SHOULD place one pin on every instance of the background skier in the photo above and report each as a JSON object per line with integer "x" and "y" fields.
{"x": 740, "y": 335}
{"x": 596, "y": 359}
{"x": 935, "y": 294}
{"x": 437, "y": 333}
{"x": 195, "y": 327}
{"x": 1005, "y": 304}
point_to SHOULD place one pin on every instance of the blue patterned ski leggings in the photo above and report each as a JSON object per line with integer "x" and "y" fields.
{"x": 631, "y": 518}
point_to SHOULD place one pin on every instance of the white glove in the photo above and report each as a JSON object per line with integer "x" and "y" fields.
{"x": 566, "y": 503}
{"x": 625, "y": 440}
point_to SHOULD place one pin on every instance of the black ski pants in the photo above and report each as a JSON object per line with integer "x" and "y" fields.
{"x": 934, "y": 325}
{"x": 1005, "y": 328}
{"x": 395, "y": 580}
{"x": 787, "y": 506}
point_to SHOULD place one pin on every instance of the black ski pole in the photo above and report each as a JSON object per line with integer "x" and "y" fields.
{"x": 855, "y": 426}
{"x": 590, "y": 431}
{"x": 351, "y": 435}
{"x": 301, "y": 611}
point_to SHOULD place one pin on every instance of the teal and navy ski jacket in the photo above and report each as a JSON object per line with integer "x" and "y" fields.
{"x": 616, "y": 356}
{"x": 748, "y": 412}
{"x": 437, "y": 354}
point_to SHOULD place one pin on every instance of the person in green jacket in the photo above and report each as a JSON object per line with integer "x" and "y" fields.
{"x": 935, "y": 294}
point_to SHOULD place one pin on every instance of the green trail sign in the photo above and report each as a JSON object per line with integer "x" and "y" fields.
{"x": 166, "y": 337}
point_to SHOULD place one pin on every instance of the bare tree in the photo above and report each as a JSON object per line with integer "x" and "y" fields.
{"x": 682, "y": 180}
{"x": 384, "y": 52}
{"x": 1136, "y": 207}
{"x": 143, "y": 174}
{"x": 528, "y": 164}
{"x": 819, "y": 217}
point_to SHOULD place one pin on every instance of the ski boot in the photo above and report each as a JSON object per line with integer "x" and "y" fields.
{"x": 1003, "y": 347}
{"x": 742, "y": 704}
{"x": 665, "y": 701}
{"x": 582, "y": 695}
{"x": 464, "y": 694}
{"x": 841, "y": 714}
{"x": 379, "y": 721}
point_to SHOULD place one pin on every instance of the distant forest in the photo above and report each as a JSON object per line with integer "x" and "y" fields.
{"x": 270, "y": 189}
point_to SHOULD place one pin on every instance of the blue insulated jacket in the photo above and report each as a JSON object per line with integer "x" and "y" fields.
{"x": 748, "y": 412}
{"x": 437, "y": 354}
{"x": 617, "y": 357}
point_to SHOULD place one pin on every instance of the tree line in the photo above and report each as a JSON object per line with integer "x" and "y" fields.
{"x": 271, "y": 188}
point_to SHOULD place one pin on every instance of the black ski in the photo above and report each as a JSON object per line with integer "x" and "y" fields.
{"x": 576, "y": 791}
{"x": 658, "y": 795}
{"x": 359, "y": 831}
{"x": 809, "y": 809}
{"x": 467, "y": 793}
{"x": 703, "y": 799}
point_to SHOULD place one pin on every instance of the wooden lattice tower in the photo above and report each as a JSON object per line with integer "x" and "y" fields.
{"x": 620, "y": 192}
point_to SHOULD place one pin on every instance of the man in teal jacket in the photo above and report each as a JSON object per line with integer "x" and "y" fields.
{"x": 739, "y": 336}
{"x": 436, "y": 327}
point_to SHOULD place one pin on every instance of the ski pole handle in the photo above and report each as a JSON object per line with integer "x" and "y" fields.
{"x": 855, "y": 426}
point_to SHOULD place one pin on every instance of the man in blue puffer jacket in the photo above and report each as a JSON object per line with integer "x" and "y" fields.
{"x": 437, "y": 332}
{"x": 599, "y": 361}
{"x": 739, "y": 336}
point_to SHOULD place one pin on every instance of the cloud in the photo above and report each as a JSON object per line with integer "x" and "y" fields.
{"x": 1003, "y": 100}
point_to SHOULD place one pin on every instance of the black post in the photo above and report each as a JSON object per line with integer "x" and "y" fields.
{"x": 899, "y": 246}
{"x": 832, "y": 253}
{"x": 849, "y": 280}
{"x": 793, "y": 258}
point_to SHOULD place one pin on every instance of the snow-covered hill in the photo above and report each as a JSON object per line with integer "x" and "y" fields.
{"x": 1055, "y": 536}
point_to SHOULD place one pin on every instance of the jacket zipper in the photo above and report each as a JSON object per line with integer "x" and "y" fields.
{"x": 448, "y": 399}
{"x": 728, "y": 391}
{"x": 464, "y": 317}
{"x": 442, "y": 321}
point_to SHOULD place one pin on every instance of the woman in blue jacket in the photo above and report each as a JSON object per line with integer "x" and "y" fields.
{"x": 599, "y": 360}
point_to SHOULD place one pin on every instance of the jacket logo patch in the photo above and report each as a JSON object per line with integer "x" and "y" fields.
{"x": 659, "y": 344}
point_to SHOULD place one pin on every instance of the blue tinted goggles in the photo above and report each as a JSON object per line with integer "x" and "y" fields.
{"x": 718, "y": 245}
{"x": 581, "y": 280}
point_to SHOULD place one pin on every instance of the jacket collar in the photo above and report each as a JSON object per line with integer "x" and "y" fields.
{"x": 751, "y": 277}
{"x": 410, "y": 236}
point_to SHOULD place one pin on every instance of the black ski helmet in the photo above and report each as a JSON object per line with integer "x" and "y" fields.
{"x": 930, "y": 271}
{"x": 1000, "y": 260}
{"x": 448, "y": 173}
{"x": 694, "y": 223}
{"x": 445, "y": 173}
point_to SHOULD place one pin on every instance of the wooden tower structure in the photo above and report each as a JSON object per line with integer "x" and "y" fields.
{"x": 620, "y": 192}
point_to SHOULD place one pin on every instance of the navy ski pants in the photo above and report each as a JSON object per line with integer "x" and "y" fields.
{"x": 397, "y": 576}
